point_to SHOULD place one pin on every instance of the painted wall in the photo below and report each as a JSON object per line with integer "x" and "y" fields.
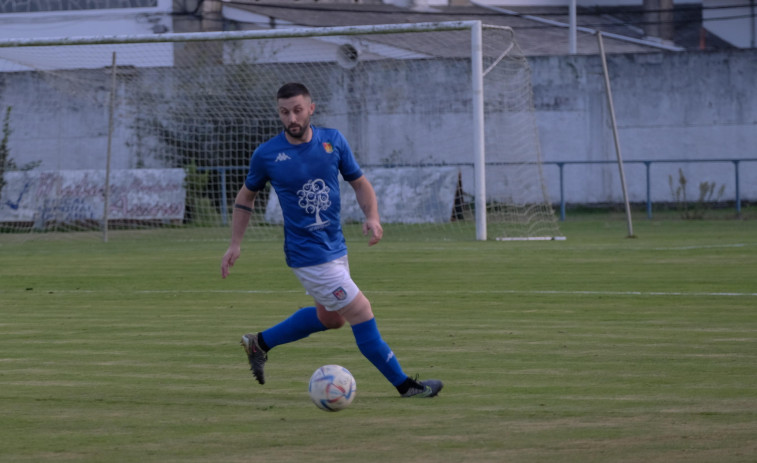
{"x": 669, "y": 106}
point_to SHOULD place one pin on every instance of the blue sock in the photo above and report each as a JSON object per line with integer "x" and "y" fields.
{"x": 373, "y": 347}
{"x": 300, "y": 324}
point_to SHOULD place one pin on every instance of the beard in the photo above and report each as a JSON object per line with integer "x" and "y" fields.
{"x": 296, "y": 130}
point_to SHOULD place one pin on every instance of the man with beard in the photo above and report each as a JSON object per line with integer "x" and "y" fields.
{"x": 303, "y": 164}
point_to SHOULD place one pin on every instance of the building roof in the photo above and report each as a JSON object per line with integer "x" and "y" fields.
{"x": 535, "y": 28}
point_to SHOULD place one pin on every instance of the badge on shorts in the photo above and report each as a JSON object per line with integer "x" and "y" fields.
{"x": 340, "y": 294}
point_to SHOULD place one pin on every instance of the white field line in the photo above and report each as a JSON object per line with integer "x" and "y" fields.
{"x": 421, "y": 292}
{"x": 711, "y": 246}
{"x": 505, "y": 291}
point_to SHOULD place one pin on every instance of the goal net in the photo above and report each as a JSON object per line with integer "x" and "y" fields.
{"x": 113, "y": 134}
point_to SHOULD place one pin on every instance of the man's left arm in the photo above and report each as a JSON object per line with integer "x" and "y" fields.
{"x": 366, "y": 199}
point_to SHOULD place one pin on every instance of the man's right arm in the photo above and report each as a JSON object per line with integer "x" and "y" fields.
{"x": 240, "y": 217}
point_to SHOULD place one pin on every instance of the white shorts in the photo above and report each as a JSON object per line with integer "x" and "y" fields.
{"x": 330, "y": 284}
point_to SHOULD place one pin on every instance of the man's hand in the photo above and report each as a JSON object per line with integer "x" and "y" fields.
{"x": 374, "y": 228}
{"x": 231, "y": 256}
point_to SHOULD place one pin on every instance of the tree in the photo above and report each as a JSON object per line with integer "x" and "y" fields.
{"x": 314, "y": 198}
{"x": 6, "y": 162}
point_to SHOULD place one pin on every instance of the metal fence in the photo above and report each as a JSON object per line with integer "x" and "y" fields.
{"x": 223, "y": 174}
{"x": 648, "y": 164}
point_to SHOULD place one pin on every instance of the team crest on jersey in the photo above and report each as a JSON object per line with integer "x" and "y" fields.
{"x": 328, "y": 147}
{"x": 340, "y": 294}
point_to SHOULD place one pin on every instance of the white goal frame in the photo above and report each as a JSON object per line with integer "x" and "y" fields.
{"x": 477, "y": 71}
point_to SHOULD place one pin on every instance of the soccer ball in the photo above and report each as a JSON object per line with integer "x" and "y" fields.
{"x": 332, "y": 388}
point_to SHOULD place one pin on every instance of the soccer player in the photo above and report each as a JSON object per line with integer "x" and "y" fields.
{"x": 303, "y": 163}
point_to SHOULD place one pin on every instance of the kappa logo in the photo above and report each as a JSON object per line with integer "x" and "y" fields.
{"x": 282, "y": 157}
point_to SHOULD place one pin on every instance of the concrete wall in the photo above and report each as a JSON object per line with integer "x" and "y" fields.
{"x": 669, "y": 107}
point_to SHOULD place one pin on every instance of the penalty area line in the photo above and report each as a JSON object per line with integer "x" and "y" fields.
{"x": 578, "y": 293}
{"x": 495, "y": 291}
{"x": 643, "y": 293}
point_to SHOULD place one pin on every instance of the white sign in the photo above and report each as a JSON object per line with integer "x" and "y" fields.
{"x": 68, "y": 196}
{"x": 405, "y": 195}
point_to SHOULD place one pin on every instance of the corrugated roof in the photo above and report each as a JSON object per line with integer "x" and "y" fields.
{"x": 534, "y": 37}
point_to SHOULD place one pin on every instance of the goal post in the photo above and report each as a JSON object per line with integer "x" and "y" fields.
{"x": 479, "y": 152}
{"x": 439, "y": 115}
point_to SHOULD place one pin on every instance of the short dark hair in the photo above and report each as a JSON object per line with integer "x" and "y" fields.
{"x": 292, "y": 89}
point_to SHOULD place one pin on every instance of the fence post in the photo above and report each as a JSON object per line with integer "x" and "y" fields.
{"x": 562, "y": 192}
{"x": 224, "y": 212}
{"x": 649, "y": 190}
{"x": 738, "y": 192}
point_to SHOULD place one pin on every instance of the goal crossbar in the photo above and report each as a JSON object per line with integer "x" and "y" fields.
{"x": 247, "y": 35}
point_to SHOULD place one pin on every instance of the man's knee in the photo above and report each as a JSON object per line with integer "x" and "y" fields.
{"x": 331, "y": 320}
{"x": 357, "y": 311}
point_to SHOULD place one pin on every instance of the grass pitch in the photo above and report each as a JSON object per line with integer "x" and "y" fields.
{"x": 600, "y": 348}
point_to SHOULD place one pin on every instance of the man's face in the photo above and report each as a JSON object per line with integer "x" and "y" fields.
{"x": 295, "y": 114}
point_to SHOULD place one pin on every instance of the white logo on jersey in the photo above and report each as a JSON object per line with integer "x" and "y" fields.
{"x": 314, "y": 198}
{"x": 282, "y": 157}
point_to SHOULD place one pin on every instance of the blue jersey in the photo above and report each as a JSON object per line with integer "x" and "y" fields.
{"x": 306, "y": 180}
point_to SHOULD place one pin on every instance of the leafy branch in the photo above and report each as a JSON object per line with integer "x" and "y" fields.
{"x": 7, "y": 163}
